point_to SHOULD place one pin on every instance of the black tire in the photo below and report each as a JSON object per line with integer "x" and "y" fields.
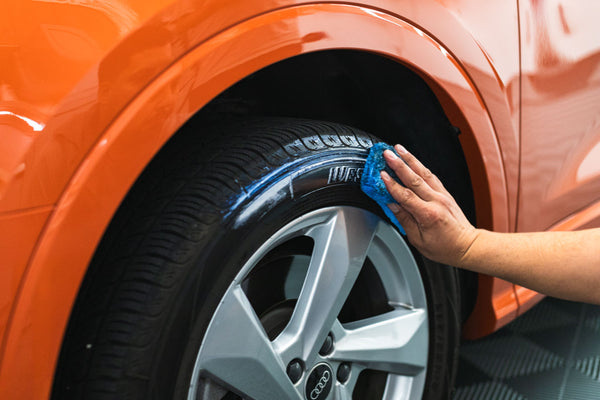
{"x": 196, "y": 215}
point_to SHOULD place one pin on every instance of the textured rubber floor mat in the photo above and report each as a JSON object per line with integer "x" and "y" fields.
{"x": 550, "y": 353}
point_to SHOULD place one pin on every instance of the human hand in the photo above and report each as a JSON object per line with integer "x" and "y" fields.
{"x": 433, "y": 221}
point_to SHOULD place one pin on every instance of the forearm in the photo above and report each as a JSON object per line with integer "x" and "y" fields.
{"x": 561, "y": 264}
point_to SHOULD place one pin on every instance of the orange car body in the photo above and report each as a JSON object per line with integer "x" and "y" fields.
{"x": 90, "y": 90}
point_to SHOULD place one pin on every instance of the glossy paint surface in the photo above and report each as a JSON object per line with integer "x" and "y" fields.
{"x": 560, "y": 172}
{"x": 18, "y": 235}
{"x": 71, "y": 66}
{"x": 584, "y": 219}
{"x": 91, "y": 90}
{"x": 560, "y": 162}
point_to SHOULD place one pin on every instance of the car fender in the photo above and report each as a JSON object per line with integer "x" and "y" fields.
{"x": 138, "y": 131}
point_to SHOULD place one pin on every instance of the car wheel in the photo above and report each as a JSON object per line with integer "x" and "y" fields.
{"x": 250, "y": 266}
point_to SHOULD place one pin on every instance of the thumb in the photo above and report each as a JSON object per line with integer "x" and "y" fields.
{"x": 404, "y": 217}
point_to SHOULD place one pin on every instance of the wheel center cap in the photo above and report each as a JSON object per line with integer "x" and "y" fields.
{"x": 319, "y": 382}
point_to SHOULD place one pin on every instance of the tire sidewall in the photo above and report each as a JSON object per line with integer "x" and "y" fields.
{"x": 327, "y": 178}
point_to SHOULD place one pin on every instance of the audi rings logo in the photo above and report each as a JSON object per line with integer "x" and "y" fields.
{"x": 314, "y": 394}
{"x": 319, "y": 382}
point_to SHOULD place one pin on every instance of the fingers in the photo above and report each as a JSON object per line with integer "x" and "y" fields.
{"x": 419, "y": 168}
{"x": 409, "y": 177}
{"x": 406, "y": 220}
{"x": 404, "y": 196}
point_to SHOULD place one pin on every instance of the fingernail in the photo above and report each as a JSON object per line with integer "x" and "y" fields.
{"x": 400, "y": 149}
{"x": 385, "y": 176}
{"x": 394, "y": 207}
{"x": 390, "y": 154}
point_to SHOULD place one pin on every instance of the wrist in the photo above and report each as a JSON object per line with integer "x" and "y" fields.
{"x": 471, "y": 254}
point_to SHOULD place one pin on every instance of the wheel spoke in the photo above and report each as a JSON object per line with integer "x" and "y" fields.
{"x": 237, "y": 352}
{"x": 394, "y": 342}
{"x": 344, "y": 391}
{"x": 341, "y": 245}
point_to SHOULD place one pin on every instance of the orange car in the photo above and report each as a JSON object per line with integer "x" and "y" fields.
{"x": 180, "y": 214}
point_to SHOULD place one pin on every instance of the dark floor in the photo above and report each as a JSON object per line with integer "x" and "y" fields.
{"x": 551, "y": 352}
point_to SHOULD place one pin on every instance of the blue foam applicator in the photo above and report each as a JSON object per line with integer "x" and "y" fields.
{"x": 372, "y": 184}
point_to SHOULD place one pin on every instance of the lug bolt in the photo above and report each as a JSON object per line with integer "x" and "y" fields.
{"x": 327, "y": 347}
{"x": 343, "y": 372}
{"x": 294, "y": 370}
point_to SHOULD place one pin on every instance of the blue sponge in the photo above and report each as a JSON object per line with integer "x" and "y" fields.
{"x": 372, "y": 184}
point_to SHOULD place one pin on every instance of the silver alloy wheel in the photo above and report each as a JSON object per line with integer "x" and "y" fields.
{"x": 237, "y": 353}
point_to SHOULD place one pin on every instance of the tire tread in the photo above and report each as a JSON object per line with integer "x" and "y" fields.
{"x": 145, "y": 251}
{"x": 171, "y": 214}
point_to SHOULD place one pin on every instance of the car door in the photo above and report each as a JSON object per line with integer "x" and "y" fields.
{"x": 560, "y": 115}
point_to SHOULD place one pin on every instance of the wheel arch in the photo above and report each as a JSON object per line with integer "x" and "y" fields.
{"x": 55, "y": 271}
